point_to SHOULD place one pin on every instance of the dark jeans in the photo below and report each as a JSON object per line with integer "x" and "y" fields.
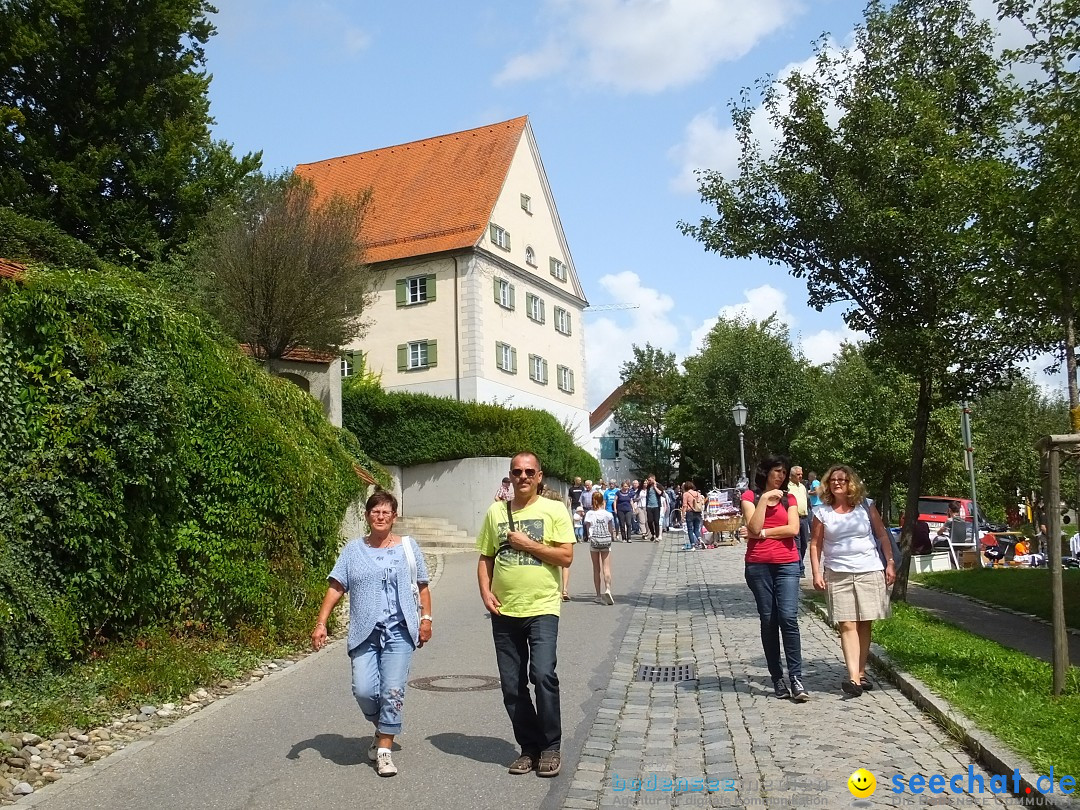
{"x": 804, "y": 542}
{"x": 693, "y": 528}
{"x": 525, "y": 651}
{"x": 626, "y": 520}
{"x": 776, "y": 590}
{"x": 653, "y": 514}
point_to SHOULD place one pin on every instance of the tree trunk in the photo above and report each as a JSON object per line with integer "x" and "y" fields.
{"x": 911, "y": 511}
{"x": 1070, "y": 371}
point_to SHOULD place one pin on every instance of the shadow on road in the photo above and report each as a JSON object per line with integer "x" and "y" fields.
{"x": 339, "y": 750}
{"x": 481, "y": 749}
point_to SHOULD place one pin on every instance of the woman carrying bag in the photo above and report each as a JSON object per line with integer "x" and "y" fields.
{"x": 851, "y": 557}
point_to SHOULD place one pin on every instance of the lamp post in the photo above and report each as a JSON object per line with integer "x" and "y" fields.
{"x": 738, "y": 413}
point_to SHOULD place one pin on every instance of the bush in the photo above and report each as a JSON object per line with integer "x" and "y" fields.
{"x": 25, "y": 239}
{"x": 152, "y": 475}
{"x": 409, "y": 429}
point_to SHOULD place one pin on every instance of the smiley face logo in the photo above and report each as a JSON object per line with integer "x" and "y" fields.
{"x": 862, "y": 784}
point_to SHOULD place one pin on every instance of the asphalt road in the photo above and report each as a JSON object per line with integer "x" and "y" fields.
{"x": 298, "y": 739}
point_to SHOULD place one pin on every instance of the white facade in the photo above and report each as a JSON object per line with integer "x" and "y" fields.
{"x": 499, "y": 322}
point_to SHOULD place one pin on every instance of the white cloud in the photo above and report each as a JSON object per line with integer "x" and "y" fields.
{"x": 544, "y": 61}
{"x": 821, "y": 347}
{"x": 650, "y": 45}
{"x": 356, "y": 39}
{"x": 758, "y": 304}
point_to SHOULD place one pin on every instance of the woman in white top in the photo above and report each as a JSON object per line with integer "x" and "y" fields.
{"x": 601, "y": 532}
{"x": 847, "y": 565}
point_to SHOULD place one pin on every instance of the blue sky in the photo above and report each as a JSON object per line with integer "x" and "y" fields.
{"x": 625, "y": 97}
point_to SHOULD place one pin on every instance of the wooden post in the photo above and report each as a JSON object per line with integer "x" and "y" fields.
{"x": 1057, "y": 602}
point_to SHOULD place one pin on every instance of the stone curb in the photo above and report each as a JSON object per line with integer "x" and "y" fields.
{"x": 73, "y": 778}
{"x": 989, "y": 751}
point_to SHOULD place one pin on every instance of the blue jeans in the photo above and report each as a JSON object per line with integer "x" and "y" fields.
{"x": 525, "y": 651}
{"x": 776, "y": 590}
{"x": 380, "y": 668}
{"x": 693, "y": 528}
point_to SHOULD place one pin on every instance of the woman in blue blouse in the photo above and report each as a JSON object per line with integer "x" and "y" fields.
{"x": 388, "y": 620}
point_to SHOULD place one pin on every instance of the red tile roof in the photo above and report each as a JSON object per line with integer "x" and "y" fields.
{"x": 298, "y": 355}
{"x": 428, "y": 196}
{"x": 604, "y": 409}
{"x": 12, "y": 270}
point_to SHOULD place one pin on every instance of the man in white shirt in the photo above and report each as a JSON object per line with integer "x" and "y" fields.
{"x": 797, "y": 488}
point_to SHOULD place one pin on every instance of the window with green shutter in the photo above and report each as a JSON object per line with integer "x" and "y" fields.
{"x": 504, "y": 293}
{"x": 417, "y": 355}
{"x": 415, "y": 290}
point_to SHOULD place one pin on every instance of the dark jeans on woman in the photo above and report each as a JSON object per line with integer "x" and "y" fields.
{"x": 776, "y": 590}
{"x": 653, "y": 514}
{"x": 693, "y": 528}
{"x": 626, "y": 520}
{"x": 525, "y": 651}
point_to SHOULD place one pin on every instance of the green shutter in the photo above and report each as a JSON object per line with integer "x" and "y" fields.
{"x": 543, "y": 313}
{"x": 401, "y": 286}
{"x": 513, "y": 361}
{"x": 507, "y": 239}
{"x": 551, "y": 265}
{"x": 567, "y": 321}
{"x": 431, "y": 288}
{"x": 403, "y": 357}
{"x": 491, "y": 233}
{"x": 511, "y": 296}
{"x": 570, "y": 379}
{"x": 432, "y": 354}
{"x": 497, "y": 291}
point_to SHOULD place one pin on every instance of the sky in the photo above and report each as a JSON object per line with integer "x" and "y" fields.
{"x": 626, "y": 99}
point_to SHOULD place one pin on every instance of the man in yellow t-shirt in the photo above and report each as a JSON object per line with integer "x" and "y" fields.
{"x": 797, "y": 488}
{"x": 520, "y": 583}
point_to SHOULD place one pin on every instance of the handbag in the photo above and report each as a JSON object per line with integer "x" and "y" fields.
{"x": 866, "y": 504}
{"x": 410, "y": 558}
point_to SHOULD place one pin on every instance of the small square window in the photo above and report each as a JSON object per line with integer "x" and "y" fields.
{"x": 526, "y": 203}
{"x": 418, "y": 354}
{"x": 558, "y": 269}
{"x": 500, "y": 236}
{"x": 418, "y": 290}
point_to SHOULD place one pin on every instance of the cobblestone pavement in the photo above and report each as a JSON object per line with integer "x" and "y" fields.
{"x": 695, "y": 607}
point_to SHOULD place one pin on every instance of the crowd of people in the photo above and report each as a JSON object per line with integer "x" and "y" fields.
{"x": 526, "y": 546}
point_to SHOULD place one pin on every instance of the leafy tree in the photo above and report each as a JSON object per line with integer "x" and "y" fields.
{"x": 859, "y": 415}
{"x": 285, "y": 269}
{"x": 1038, "y": 217}
{"x": 105, "y": 122}
{"x": 653, "y": 386}
{"x": 751, "y": 361}
{"x": 872, "y": 196}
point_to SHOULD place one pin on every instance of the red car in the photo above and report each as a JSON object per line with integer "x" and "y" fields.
{"x": 933, "y": 508}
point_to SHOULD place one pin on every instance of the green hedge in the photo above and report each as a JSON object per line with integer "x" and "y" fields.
{"x": 152, "y": 476}
{"x": 25, "y": 239}
{"x": 409, "y": 429}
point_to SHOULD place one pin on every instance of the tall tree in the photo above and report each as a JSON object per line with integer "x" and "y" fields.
{"x": 105, "y": 122}
{"x": 1039, "y": 216}
{"x": 653, "y": 386}
{"x": 285, "y": 269}
{"x": 751, "y": 361}
{"x": 871, "y": 196}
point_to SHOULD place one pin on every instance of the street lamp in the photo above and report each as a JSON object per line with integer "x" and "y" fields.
{"x": 738, "y": 413}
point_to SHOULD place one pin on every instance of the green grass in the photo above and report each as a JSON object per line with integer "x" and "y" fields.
{"x": 1002, "y": 691}
{"x": 1023, "y": 589}
{"x": 158, "y": 668}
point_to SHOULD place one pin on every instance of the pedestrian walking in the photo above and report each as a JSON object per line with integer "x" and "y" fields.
{"x": 797, "y": 488}
{"x": 693, "y": 504}
{"x": 624, "y": 510}
{"x": 601, "y": 534}
{"x": 851, "y": 560}
{"x": 654, "y": 500}
{"x": 523, "y": 544}
{"x": 389, "y": 617}
{"x": 772, "y": 571}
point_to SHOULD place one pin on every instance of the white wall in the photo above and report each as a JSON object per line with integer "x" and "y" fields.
{"x": 459, "y": 491}
{"x": 324, "y": 383}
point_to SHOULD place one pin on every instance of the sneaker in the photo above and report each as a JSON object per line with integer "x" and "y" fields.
{"x": 384, "y": 765}
{"x": 373, "y": 749}
{"x": 851, "y": 688}
{"x": 780, "y": 689}
{"x": 608, "y": 598}
{"x": 798, "y": 691}
{"x": 523, "y": 764}
{"x": 550, "y": 762}
{"x": 598, "y": 599}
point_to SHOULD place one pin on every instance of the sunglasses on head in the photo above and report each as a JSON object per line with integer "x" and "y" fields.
{"x": 517, "y": 472}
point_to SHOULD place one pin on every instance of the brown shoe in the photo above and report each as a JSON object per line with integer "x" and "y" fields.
{"x": 549, "y": 763}
{"x": 523, "y": 764}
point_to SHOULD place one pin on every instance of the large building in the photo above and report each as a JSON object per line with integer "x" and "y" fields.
{"x": 480, "y": 299}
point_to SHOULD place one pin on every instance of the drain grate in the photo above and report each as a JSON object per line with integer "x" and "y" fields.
{"x": 666, "y": 674}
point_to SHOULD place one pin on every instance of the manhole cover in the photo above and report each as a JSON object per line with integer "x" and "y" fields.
{"x": 666, "y": 674}
{"x": 455, "y": 683}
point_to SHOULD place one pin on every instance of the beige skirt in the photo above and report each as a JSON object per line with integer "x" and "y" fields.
{"x": 856, "y": 597}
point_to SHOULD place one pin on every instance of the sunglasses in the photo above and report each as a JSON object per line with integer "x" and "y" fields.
{"x": 517, "y": 472}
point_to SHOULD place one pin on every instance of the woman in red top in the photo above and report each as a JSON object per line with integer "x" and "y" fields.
{"x": 772, "y": 571}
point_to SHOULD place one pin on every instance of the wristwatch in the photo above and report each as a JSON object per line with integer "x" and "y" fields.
{"x": 426, "y": 618}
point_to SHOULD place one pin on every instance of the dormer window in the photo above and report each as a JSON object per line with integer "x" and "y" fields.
{"x": 526, "y": 203}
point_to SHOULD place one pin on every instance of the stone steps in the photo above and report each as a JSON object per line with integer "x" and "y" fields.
{"x": 434, "y": 533}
